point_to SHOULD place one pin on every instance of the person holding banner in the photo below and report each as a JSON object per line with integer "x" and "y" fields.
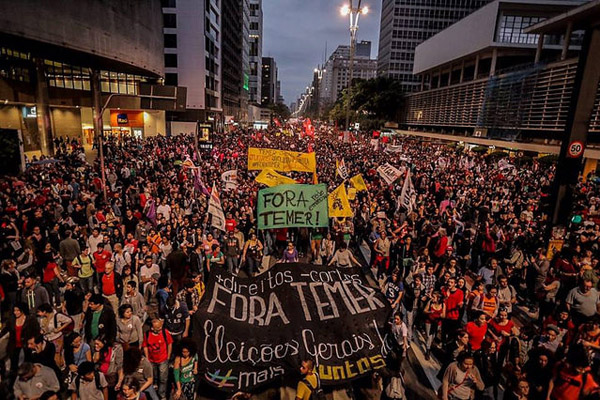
{"x": 252, "y": 254}
{"x": 343, "y": 258}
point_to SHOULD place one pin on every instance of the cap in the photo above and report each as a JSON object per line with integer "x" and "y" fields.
{"x": 552, "y": 327}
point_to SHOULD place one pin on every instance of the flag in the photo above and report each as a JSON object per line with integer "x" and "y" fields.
{"x": 408, "y": 193}
{"x": 199, "y": 184}
{"x": 351, "y": 193}
{"x": 188, "y": 163}
{"x": 271, "y": 178}
{"x": 340, "y": 167}
{"x": 230, "y": 179}
{"x": 215, "y": 209}
{"x": 339, "y": 206}
{"x": 358, "y": 182}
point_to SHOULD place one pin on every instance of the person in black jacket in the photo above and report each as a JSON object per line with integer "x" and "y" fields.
{"x": 73, "y": 302}
{"x": 41, "y": 351}
{"x": 488, "y": 362}
{"x": 28, "y": 325}
{"x": 100, "y": 320}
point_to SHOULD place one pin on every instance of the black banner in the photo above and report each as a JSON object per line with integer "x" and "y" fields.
{"x": 252, "y": 331}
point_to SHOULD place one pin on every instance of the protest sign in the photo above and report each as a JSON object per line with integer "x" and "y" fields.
{"x": 341, "y": 169}
{"x": 393, "y": 149}
{"x": 216, "y": 210}
{"x": 389, "y": 173}
{"x": 271, "y": 178}
{"x": 281, "y": 160}
{"x": 230, "y": 179}
{"x": 253, "y": 331}
{"x": 286, "y": 206}
{"x": 339, "y": 206}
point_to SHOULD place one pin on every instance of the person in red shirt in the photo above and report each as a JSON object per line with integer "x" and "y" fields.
{"x": 572, "y": 379}
{"x": 477, "y": 330}
{"x": 111, "y": 285}
{"x": 101, "y": 257}
{"x": 453, "y": 299}
{"x": 230, "y": 223}
{"x": 158, "y": 345}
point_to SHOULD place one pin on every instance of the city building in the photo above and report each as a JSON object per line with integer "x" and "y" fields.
{"x": 407, "y": 23}
{"x": 192, "y": 53}
{"x": 269, "y": 81}
{"x": 278, "y": 95}
{"x": 60, "y": 62}
{"x": 232, "y": 57}
{"x": 255, "y": 53}
{"x": 335, "y": 74}
{"x": 486, "y": 76}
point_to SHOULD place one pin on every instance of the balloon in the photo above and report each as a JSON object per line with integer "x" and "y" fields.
{"x": 576, "y": 219}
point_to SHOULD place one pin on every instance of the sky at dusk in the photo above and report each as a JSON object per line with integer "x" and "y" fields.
{"x": 295, "y": 32}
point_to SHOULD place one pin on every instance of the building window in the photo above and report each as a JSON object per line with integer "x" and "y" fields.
{"x": 253, "y": 26}
{"x": 170, "y": 60}
{"x": 168, "y": 3}
{"x": 511, "y": 29}
{"x": 170, "y": 41}
{"x": 170, "y": 20}
{"x": 171, "y": 79}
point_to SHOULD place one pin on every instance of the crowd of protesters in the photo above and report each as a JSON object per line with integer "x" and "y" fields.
{"x": 97, "y": 294}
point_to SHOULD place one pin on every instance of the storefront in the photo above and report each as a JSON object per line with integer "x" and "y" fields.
{"x": 126, "y": 123}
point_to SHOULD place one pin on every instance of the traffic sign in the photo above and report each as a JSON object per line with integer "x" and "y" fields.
{"x": 575, "y": 149}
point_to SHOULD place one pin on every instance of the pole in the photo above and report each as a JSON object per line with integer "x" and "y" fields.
{"x": 98, "y": 110}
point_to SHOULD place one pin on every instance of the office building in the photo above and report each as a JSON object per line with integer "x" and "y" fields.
{"x": 269, "y": 81}
{"x": 407, "y": 23}
{"x": 193, "y": 60}
{"x": 60, "y": 62}
{"x": 485, "y": 76}
{"x": 255, "y": 53}
{"x": 232, "y": 58}
{"x": 335, "y": 74}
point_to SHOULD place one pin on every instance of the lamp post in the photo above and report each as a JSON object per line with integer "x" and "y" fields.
{"x": 354, "y": 13}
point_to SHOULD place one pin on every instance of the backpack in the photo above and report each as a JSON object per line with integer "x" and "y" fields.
{"x": 96, "y": 381}
{"x": 70, "y": 326}
{"x": 316, "y": 393}
{"x": 395, "y": 389}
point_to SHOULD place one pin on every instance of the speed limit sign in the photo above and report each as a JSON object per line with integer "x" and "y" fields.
{"x": 575, "y": 149}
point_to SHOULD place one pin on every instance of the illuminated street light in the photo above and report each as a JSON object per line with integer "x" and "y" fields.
{"x": 354, "y": 12}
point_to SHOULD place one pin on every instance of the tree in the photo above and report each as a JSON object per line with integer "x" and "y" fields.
{"x": 373, "y": 101}
{"x": 279, "y": 111}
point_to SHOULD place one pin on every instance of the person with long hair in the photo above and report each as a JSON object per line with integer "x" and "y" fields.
{"x": 185, "y": 370}
{"x": 435, "y": 309}
{"x": 252, "y": 254}
{"x": 20, "y": 326}
{"x": 129, "y": 327}
{"x": 130, "y": 390}
{"x": 76, "y": 351}
{"x": 109, "y": 360}
{"x": 137, "y": 366}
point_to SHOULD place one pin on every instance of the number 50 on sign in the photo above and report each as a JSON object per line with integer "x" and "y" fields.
{"x": 575, "y": 149}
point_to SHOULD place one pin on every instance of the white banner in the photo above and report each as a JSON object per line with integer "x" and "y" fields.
{"x": 389, "y": 173}
{"x": 215, "y": 209}
{"x": 230, "y": 179}
{"x": 390, "y": 148}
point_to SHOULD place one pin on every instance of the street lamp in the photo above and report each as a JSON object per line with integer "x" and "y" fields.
{"x": 354, "y": 13}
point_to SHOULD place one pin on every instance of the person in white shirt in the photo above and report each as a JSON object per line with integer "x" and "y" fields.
{"x": 147, "y": 270}
{"x": 164, "y": 209}
{"x": 94, "y": 239}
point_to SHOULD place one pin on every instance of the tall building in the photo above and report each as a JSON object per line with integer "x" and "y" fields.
{"x": 61, "y": 61}
{"x": 407, "y": 23}
{"x": 278, "y": 96}
{"x": 335, "y": 75}
{"x": 269, "y": 81}
{"x": 245, "y": 90}
{"x": 255, "y": 53}
{"x": 232, "y": 58}
{"x": 192, "y": 59}
{"x": 487, "y": 77}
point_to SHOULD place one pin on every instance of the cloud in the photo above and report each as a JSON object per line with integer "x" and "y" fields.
{"x": 295, "y": 33}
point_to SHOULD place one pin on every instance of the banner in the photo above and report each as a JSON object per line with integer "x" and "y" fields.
{"x": 393, "y": 149}
{"x": 254, "y": 331}
{"x": 281, "y": 160}
{"x": 408, "y": 194}
{"x": 351, "y": 193}
{"x": 358, "y": 182}
{"x": 271, "y": 178}
{"x": 339, "y": 206}
{"x": 389, "y": 173}
{"x": 287, "y": 206}
{"x": 230, "y": 179}
{"x": 340, "y": 167}
{"x": 216, "y": 210}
